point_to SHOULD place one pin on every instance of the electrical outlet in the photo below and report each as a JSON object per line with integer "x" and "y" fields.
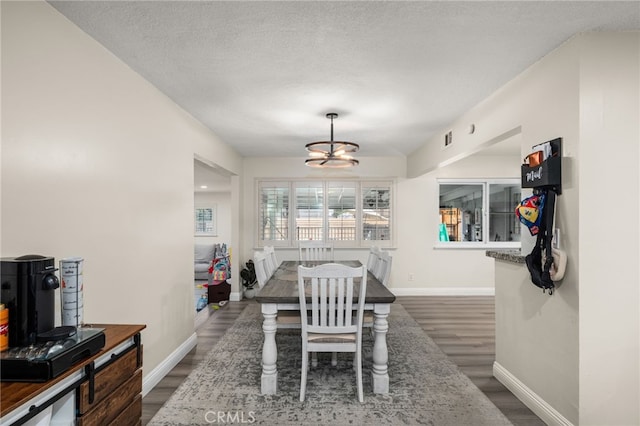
{"x": 411, "y": 277}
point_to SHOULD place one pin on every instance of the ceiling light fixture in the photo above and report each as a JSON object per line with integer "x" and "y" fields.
{"x": 334, "y": 154}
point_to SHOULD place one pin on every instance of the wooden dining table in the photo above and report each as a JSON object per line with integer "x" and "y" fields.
{"x": 280, "y": 293}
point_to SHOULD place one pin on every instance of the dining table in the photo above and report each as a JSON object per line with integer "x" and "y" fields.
{"x": 280, "y": 293}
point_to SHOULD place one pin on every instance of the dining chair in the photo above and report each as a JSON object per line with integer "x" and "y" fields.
{"x": 315, "y": 250}
{"x": 382, "y": 273}
{"x": 285, "y": 319}
{"x": 272, "y": 260}
{"x": 260, "y": 265}
{"x": 372, "y": 260}
{"x": 383, "y": 268}
{"x": 330, "y": 325}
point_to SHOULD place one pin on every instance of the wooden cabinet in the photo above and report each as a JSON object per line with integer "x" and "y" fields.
{"x": 452, "y": 218}
{"x": 121, "y": 401}
{"x": 107, "y": 387}
{"x": 115, "y": 388}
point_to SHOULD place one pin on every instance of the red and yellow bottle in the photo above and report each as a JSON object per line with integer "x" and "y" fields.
{"x": 4, "y": 328}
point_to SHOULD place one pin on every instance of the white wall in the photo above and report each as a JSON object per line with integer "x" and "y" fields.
{"x": 222, "y": 203}
{"x": 416, "y": 220}
{"x": 587, "y": 93}
{"x": 540, "y": 104}
{"x": 291, "y": 168}
{"x": 438, "y": 270}
{"x": 97, "y": 163}
{"x": 609, "y": 276}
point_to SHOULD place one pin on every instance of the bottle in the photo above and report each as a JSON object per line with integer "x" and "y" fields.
{"x": 443, "y": 235}
{"x": 4, "y": 328}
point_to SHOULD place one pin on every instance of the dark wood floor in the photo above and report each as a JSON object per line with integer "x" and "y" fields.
{"x": 211, "y": 325}
{"x": 462, "y": 326}
{"x": 464, "y": 329}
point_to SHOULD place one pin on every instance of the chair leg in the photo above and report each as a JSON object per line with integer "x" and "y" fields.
{"x": 314, "y": 359}
{"x": 303, "y": 374}
{"x": 359, "y": 375}
{"x": 334, "y": 359}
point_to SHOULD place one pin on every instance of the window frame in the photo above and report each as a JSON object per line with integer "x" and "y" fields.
{"x": 291, "y": 183}
{"x": 274, "y": 183}
{"x": 485, "y": 243}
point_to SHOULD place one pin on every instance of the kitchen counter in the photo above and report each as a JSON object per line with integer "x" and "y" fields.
{"x": 514, "y": 256}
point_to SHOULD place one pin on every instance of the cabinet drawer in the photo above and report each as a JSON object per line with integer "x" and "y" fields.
{"x": 115, "y": 404}
{"x": 107, "y": 380}
{"x": 131, "y": 415}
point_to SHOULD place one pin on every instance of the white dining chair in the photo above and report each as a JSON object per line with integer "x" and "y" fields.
{"x": 330, "y": 325}
{"x": 382, "y": 272}
{"x": 272, "y": 260}
{"x": 315, "y": 250}
{"x": 383, "y": 269}
{"x": 260, "y": 265}
{"x": 372, "y": 260}
{"x": 285, "y": 319}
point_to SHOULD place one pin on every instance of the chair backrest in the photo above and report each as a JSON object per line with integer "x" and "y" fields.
{"x": 372, "y": 260}
{"x": 315, "y": 250}
{"x": 272, "y": 260}
{"x": 260, "y": 264}
{"x": 331, "y": 288}
{"x": 383, "y": 270}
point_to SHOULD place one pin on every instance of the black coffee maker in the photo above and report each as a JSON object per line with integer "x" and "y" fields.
{"x": 28, "y": 285}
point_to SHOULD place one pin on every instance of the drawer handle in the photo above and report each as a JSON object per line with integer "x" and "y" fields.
{"x": 90, "y": 370}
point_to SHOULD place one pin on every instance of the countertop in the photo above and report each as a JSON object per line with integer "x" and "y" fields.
{"x": 514, "y": 256}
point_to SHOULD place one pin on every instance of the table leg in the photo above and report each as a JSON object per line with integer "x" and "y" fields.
{"x": 269, "y": 380}
{"x": 380, "y": 373}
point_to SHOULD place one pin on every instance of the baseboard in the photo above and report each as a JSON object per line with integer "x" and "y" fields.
{"x": 235, "y": 297}
{"x": 539, "y": 406}
{"x": 153, "y": 378}
{"x": 444, "y": 291}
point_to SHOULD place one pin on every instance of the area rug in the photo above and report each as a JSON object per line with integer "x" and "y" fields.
{"x": 425, "y": 387}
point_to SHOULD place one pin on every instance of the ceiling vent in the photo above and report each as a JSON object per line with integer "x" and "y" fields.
{"x": 448, "y": 138}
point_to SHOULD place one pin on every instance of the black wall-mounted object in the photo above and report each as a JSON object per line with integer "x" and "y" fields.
{"x": 548, "y": 173}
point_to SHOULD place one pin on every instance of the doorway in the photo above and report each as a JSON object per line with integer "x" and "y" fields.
{"x": 212, "y": 222}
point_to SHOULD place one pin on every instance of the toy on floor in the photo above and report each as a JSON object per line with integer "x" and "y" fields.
{"x": 202, "y": 303}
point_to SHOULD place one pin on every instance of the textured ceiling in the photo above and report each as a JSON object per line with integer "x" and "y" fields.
{"x": 262, "y": 75}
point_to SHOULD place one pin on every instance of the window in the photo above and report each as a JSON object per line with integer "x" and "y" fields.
{"x": 274, "y": 211}
{"x": 349, "y": 213}
{"x": 341, "y": 211}
{"x": 479, "y": 213}
{"x": 309, "y": 211}
{"x": 205, "y": 220}
{"x": 376, "y": 212}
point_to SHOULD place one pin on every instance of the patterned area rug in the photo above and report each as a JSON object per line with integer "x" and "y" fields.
{"x": 425, "y": 388}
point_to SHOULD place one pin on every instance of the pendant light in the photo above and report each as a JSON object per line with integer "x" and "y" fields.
{"x": 331, "y": 154}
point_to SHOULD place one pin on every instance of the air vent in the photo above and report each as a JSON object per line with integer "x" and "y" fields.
{"x": 448, "y": 139}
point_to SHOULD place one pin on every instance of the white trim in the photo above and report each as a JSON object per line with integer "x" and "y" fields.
{"x": 235, "y": 297}
{"x": 539, "y": 406}
{"x": 444, "y": 291}
{"x": 153, "y": 378}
